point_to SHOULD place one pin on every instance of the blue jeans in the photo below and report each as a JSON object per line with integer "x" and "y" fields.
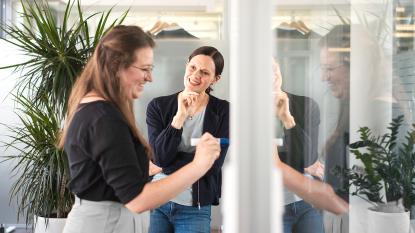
{"x": 172, "y": 217}
{"x": 301, "y": 217}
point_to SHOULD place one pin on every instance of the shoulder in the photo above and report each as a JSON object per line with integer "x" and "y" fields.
{"x": 162, "y": 106}
{"x": 98, "y": 118}
{"x": 218, "y": 102}
{"x": 107, "y": 109}
{"x": 97, "y": 109}
{"x": 218, "y": 107}
{"x": 302, "y": 100}
{"x": 101, "y": 111}
{"x": 164, "y": 100}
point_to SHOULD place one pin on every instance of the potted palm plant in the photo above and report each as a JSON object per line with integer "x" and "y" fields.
{"x": 387, "y": 177}
{"x": 42, "y": 167}
{"x": 56, "y": 55}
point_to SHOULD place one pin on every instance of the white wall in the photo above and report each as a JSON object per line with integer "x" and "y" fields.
{"x": 8, "y": 212}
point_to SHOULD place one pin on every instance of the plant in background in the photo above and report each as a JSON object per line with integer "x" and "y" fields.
{"x": 41, "y": 167}
{"x": 388, "y": 172}
{"x": 374, "y": 19}
{"x": 56, "y": 56}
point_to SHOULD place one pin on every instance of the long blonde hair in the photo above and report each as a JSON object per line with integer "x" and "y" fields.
{"x": 116, "y": 50}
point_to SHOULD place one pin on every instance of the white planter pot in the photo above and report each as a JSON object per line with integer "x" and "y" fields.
{"x": 412, "y": 225}
{"x": 55, "y": 225}
{"x": 380, "y": 222}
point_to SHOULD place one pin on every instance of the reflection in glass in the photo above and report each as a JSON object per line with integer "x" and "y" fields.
{"x": 335, "y": 62}
{"x": 298, "y": 118}
{"x": 357, "y": 64}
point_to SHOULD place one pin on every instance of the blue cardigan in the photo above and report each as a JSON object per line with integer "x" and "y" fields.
{"x": 165, "y": 139}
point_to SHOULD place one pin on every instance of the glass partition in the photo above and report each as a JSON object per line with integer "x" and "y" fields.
{"x": 347, "y": 68}
{"x": 342, "y": 101}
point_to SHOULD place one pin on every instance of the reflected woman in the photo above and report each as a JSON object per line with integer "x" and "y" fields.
{"x": 335, "y": 67}
{"x": 172, "y": 121}
{"x": 318, "y": 194}
{"x": 300, "y": 117}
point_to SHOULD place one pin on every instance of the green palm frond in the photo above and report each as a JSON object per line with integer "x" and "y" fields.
{"x": 41, "y": 167}
{"x": 56, "y": 53}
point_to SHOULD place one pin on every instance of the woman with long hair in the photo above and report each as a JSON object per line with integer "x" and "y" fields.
{"x": 108, "y": 156}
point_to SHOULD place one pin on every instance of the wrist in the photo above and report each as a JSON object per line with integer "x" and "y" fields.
{"x": 181, "y": 115}
{"x": 199, "y": 168}
{"x": 289, "y": 122}
{"x": 178, "y": 121}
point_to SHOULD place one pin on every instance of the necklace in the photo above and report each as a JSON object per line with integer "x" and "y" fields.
{"x": 190, "y": 117}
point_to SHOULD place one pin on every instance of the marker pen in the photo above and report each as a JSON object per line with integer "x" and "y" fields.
{"x": 278, "y": 141}
{"x": 222, "y": 141}
{"x": 225, "y": 141}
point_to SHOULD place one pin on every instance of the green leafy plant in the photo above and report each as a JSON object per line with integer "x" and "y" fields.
{"x": 56, "y": 56}
{"x": 388, "y": 166}
{"x": 42, "y": 167}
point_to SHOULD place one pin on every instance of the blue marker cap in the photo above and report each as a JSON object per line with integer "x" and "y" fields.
{"x": 224, "y": 141}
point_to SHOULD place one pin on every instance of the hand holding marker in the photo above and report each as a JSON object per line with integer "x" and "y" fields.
{"x": 225, "y": 141}
{"x": 222, "y": 141}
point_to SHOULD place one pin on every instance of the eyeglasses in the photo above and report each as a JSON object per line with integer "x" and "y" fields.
{"x": 147, "y": 71}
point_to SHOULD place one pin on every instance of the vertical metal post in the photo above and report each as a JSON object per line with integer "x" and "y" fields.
{"x": 248, "y": 203}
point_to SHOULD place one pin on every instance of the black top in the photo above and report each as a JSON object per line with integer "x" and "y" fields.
{"x": 165, "y": 140}
{"x": 337, "y": 153}
{"x": 300, "y": 148}
{"x": 337, "y": 158}
{"x": 106, "y": 162}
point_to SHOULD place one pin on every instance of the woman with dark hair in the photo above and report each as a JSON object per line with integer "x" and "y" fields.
{"x": 172, "y": 121}
{"x": 108, "y": 156}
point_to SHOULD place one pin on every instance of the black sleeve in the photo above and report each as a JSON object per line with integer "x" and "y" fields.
{"x": 114, "y": 150}
{"x": 312, "y": 129}
{"x": 224, "y": 133}
{"x": 164, "y": 140}
{"x": 293, "y": 152}
{"x": 300, "y": 148}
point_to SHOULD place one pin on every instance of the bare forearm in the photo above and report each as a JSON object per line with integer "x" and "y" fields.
{"x": 156, "y": 193}
{"x": 314, "y": 192}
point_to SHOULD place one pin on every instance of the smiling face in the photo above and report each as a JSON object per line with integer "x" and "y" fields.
{"x": 200, "y": 74}
{"x": 335, "y": 72}
{"x": 137, "y": 74}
